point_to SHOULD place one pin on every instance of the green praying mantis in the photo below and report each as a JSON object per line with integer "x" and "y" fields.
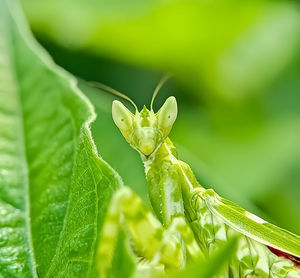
{"x": 189, "y": 221}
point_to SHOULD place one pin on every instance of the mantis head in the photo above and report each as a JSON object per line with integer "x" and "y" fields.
{"x": 145, "y": 130}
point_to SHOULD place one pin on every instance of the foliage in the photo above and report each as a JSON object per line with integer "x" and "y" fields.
{"x": 231, "y": 43}
{"x": 54, "y": 187}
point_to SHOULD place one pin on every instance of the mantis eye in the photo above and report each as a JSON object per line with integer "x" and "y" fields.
{"x": 167, "y": 113}
{"x": 122, "y": 116}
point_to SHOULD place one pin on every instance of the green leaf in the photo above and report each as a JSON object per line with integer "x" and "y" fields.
{"x": 54, "y": 188}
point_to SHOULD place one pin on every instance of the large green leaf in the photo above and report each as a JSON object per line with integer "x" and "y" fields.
{"x": 54, "y": 188}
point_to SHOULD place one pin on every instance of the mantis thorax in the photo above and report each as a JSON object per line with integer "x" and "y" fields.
{"x": 145, "y": 130}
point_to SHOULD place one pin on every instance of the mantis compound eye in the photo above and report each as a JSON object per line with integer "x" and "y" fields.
{"x": 122, "y": 117}
{"x": 167, "y": 114}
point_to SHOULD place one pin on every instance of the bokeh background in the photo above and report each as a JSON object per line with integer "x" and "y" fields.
{"x": 236, "y": 76}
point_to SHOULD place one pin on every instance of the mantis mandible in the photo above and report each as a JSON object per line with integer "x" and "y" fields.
{"x": 189, "y": 221}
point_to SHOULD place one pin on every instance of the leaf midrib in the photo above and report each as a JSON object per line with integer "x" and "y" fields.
{"x": 22, "y": 139}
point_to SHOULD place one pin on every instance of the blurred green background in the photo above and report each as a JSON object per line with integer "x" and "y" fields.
{"x": 236, "y": 67}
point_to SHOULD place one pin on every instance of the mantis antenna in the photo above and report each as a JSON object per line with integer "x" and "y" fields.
{"x": 112, "y": 91}
{"x": 159, "y": 85}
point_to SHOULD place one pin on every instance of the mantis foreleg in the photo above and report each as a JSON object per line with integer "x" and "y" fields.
{"x": 159, "y": 246}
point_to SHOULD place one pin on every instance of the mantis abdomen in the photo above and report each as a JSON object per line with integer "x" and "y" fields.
{"x": 252, "y": 258}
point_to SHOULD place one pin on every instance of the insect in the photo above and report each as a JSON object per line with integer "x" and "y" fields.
{"x": 189, "y": 221}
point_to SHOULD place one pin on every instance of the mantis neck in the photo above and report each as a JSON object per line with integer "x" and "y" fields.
{"x": 168, "y": 182}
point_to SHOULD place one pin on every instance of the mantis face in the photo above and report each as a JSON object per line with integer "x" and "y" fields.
{"x": 145, "y": 131}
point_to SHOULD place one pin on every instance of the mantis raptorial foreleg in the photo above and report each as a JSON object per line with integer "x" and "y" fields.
{"x": 160, "y": 247}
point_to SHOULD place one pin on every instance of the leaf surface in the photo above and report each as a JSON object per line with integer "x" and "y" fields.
{"x": 54, "y": 188}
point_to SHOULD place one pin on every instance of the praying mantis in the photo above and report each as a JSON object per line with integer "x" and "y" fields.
{"x": 188, "y": 222}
